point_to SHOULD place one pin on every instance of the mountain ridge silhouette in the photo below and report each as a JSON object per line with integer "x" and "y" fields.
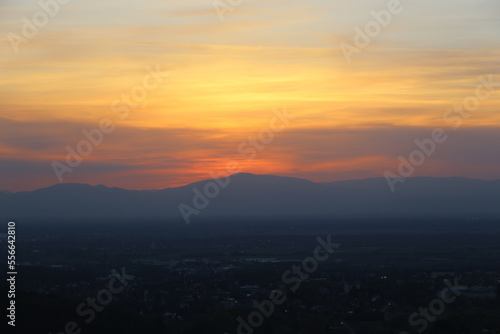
{"x": 250, "y": 195}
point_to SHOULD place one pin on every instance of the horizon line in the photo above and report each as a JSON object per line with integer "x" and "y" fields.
{"x": 241, "y": 173}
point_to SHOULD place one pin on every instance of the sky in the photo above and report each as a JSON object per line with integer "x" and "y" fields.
{"x": 226, "y": 73}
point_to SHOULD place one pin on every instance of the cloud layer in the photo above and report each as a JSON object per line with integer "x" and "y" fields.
{"x": 226, "y": 77}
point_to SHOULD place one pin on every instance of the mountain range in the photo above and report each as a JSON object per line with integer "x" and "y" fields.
{"x": 249, "y": 195}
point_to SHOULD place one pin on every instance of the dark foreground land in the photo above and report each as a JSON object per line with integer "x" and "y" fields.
{"x": 257, "y": 276}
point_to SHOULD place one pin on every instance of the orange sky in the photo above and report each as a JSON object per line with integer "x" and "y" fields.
{"x": 351, "y": 120}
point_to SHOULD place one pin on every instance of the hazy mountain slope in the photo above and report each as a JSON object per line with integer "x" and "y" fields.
{"x": 262, "y": 195}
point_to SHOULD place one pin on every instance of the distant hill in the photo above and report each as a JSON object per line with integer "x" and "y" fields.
{"x": 248, "y": 195}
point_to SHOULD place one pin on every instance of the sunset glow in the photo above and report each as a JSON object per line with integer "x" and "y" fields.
{"x": 225, "y": 80}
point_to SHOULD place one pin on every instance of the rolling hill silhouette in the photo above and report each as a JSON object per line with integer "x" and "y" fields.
{"x": 249, "y": 195}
